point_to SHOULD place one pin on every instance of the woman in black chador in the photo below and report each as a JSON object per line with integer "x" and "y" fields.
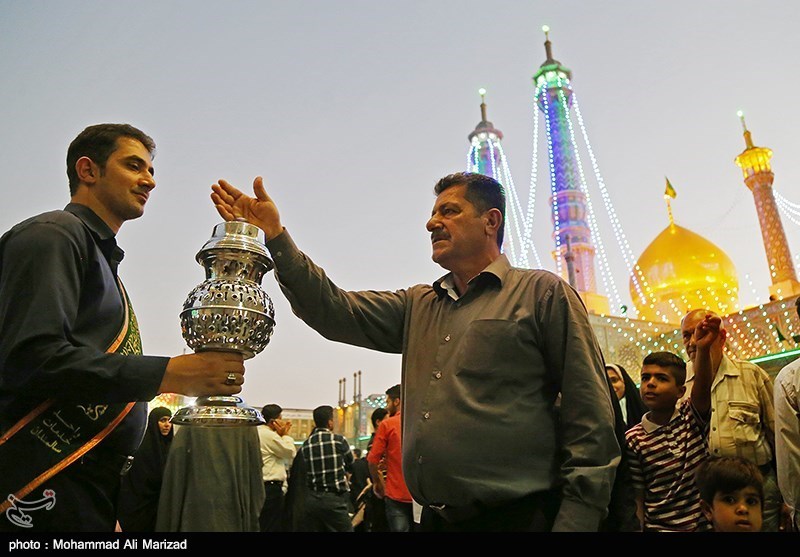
{"x": 630, "y": 400}
{"x": 141, "y": 486}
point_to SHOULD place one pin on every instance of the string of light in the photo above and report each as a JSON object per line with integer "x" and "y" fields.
{"x": 753, "y": 331}
{"x": 605, "y": 268}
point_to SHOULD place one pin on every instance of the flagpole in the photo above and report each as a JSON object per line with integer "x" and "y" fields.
{"x": 669, "y": 210}
{"x": 669, "y": 193}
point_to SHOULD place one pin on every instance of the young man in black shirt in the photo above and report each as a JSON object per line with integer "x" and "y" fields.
{"x": 73, "y": 380}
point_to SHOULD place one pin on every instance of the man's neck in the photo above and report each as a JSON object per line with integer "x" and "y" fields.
{"x": 660, "y": 417}
{"x": 462, "y": 275}
{"x": 82, "y": 197}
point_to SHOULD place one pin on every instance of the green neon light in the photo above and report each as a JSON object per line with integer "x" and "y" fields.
{"x": 786, "y": 354}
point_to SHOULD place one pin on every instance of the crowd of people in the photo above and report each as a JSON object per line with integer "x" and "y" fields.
{"x": 676, "y": 476}
{"x": 507, "y": 417}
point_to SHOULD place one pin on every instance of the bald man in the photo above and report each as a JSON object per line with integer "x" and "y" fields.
{"x": 743, "y": 418}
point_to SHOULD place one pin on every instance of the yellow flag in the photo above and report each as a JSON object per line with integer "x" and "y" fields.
{"x": 669, "y": 191}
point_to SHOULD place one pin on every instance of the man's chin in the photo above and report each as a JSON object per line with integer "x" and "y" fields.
{"x": 134, "y": 213}
{"x": 440, "y": 260}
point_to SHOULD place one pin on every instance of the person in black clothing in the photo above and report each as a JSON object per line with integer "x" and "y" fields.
{"x": 73, "y": 380}
{"x": 359, "y": 480}
{"x": 294, "y": 515}
{"x": 627, "y": 392}
{"x": 359, "y": 476}
{"x": 621, "y": 515}
{"x": 141, "y": 486}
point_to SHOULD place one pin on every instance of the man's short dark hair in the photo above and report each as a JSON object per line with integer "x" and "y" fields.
{"x": 726, "y": 474}
{"x": 322, "y": 415}
{"x": 271, "y": 412}
{"x": 393, "y": 393}
{"x": 484, "y": 192}
{"x": 670, "y": 361}
{"x": 98, "y": 142}
{"x": 377, "y": 415}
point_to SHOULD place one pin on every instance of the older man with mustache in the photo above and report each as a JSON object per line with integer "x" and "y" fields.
{"x": 507, "y": 416}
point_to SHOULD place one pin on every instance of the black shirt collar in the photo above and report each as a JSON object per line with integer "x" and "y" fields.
{"x": 101, "y": 231}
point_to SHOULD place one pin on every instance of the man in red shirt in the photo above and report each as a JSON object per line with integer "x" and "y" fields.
{"x": 388, "y": 444}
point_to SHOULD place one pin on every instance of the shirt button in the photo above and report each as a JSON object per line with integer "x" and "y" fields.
{"x": 438, "y": 375}
{"x": 426, "y": 415}
{"x": 713, "y": 429}
{"x": 279, "y": 254}
{"x": 447, "y": 338}
{"x": 419, "y": 460}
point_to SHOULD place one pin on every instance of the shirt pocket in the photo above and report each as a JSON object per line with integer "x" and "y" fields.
{"x": 488, "y": 345}
{"x": 745, "y": 421}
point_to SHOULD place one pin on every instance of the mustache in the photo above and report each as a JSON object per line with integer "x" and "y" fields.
{"x": 435, "y": 236}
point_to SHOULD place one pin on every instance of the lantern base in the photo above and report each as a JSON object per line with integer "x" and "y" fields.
{"x": 218, "y": 411}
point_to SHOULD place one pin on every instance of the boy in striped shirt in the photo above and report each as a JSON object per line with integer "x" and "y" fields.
{"x": 670, "y": 443}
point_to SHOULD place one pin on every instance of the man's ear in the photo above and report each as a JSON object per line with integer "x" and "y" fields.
{"x": 494, "y": 219}
{"x": 87, "y": 170}
{"x": 682, "y": 390}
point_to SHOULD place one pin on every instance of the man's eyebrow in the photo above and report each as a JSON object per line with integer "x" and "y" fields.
{"x": 445, "y": 204}
{"x": 656, "y": 373}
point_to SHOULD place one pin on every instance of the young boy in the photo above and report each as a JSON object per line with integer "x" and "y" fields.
{"x": 671, "y": 441}
{"x": 731, "y": 494}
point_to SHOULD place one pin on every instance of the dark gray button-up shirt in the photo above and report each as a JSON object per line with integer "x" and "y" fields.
{"x": 483, "y": 422}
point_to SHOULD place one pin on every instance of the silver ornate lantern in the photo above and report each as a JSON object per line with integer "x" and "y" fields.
{"x": 228, "y": 311}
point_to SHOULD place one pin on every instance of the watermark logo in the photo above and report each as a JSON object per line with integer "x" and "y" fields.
{"x": 17, "y": 512}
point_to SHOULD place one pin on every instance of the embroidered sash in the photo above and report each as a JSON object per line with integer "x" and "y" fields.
{"x": 55, "y": 434}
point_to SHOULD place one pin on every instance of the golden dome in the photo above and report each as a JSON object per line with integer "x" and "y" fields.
{"x": 680, "y": 271}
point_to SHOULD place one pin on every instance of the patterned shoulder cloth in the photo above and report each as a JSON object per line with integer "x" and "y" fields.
{"x": 59, "y": 433}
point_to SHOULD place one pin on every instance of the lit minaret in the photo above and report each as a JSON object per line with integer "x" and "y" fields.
{"x": 754, "y": 162}
{"x": 485, "y": 151}
{"x": 486, "y": 157}
{"x": 573, "y": 241}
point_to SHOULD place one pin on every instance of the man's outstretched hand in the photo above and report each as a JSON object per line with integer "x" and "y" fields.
{"x": 232, "y": 204}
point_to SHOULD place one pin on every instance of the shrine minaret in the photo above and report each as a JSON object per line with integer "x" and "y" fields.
{"x": 574, "y": 247}
{"x": 758, "y": 176}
